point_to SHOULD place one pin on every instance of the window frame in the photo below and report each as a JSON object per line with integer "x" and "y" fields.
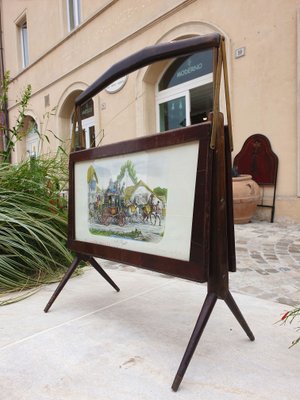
{"x": 86, "y": 124}
{"x": 183, "y": 89}
{"x": 76, "y": 14}
{"x": 24, "y": 42}
{"x": 32, "y": 137}
{"x": 170, "y": 97}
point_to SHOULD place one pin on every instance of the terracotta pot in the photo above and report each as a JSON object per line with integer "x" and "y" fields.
{"x": 246, "y": 195}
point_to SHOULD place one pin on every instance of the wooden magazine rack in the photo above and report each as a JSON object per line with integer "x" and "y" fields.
{"x": 202, "y": 248}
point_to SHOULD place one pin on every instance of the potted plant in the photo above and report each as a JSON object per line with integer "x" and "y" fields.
{"x": 246, "y": 195}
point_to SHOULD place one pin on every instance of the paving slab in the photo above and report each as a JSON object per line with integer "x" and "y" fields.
{"x": 268, "y": 261}
{"x": 96, "y": 344}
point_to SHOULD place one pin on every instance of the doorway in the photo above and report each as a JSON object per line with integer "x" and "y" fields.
{"x": 185, "y": 92}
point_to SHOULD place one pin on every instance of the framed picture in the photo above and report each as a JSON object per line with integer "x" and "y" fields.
{"x": 145, "y": 202}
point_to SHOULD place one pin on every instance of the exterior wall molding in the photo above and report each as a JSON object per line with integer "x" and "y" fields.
{"x": 30, "y": 112}
{"x": 192, "y": 28}
{"x": 131, "y": 36}
{"x": 76, "y": 86}
{"x": 67, "y": 37}
{"x": 298, "y": 102}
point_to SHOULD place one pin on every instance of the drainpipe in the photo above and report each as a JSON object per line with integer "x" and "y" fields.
{"x": 4, "y": 112}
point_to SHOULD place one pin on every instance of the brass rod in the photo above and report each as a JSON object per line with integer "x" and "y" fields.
{"x": 73, "y": 138}
{"x": 227, "y": 97}
{"x": 216, "y": 105}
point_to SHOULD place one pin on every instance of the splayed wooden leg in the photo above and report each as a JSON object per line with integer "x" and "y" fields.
{"x": 229, "y": 300}
{"x": 101, "y": 271}
{"x": 64, "y": 280}
{"x": 204, "y": 315}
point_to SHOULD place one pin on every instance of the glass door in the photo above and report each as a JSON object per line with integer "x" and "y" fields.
{"x": 184, "y": 93}
{"x": 32, "y": 138}
{"x": 88, "y": 127}
{"x": 173, "y": 111}
{"x": 172, "y": 114}
{"x": 186, "y": 104}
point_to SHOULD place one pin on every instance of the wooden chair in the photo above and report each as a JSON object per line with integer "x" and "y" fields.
{"x": 256, "y": 158}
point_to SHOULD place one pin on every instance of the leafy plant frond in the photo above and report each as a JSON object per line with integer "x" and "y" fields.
{"x": 289, "y": 317}
{"x": 33, "y": 225}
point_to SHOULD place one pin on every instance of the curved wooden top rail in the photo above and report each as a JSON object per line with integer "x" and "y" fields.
{"x": 147, "y": 56}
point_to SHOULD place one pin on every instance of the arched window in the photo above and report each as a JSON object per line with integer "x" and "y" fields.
{"x": 185, "y": 91}
{"x": 88, "y": 125}
{"x": 30, "y": 131}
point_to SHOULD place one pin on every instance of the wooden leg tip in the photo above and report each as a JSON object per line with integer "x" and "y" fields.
{"x": 176, "y": 383}
{"x": 46, "y": 309}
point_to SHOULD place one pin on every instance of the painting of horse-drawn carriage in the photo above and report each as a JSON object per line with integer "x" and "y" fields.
{"x": 122, "y": 205}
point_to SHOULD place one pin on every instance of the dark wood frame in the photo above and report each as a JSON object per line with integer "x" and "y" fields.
{"x": 196, "y": 268}
{"x": 248, "y": 160}
{"x": 213, "y": 181}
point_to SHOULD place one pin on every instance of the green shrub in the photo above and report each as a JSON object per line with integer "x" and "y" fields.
{"x": 33, "y": 223}
{"x": 33, "y": 220}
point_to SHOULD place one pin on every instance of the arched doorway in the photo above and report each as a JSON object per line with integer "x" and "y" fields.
{"x": 148, "y": 78}
{"x": 29, "y": 146}
{"x": 32, "y": 137}
{"x": 65, "y": 113}
{"x": 88, "y": 124}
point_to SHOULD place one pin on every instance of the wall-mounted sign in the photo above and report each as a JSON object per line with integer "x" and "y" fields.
{"x": 184, "y": 69}
{"x": 240, "y": 52}
{"x": 117, "y": 85}
{"x": 87, "y": 109}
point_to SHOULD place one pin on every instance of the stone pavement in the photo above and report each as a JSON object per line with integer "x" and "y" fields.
{"x": 99, "y": 344}
{"x": 268, "y": 262}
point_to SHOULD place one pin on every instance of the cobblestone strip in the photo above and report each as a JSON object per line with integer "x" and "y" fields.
{"x": 268, "y": 261}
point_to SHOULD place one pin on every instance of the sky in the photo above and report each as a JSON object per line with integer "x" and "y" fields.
{"x": 150, "y": 167}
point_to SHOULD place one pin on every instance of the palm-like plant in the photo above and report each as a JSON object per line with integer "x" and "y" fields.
{"x": 33, "y": 224}
{"x": 33, "y": 220}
